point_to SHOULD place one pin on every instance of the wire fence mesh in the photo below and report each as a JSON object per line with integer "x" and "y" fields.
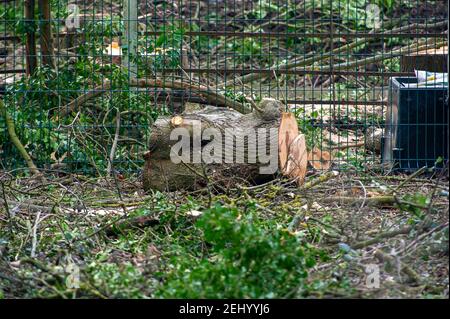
{"x": 83, "y": 81}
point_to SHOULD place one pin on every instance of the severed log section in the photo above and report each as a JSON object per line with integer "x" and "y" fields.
{"x": 222, "y": 147}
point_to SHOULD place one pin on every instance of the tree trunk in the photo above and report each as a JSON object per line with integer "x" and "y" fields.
{"x": 30, "y": 45}
{"x": 252, "y": 157}
{"x": 47, "y": 49}
{"x": 433, "y": 61}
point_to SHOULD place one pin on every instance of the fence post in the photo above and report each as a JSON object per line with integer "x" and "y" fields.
{"x": 131, "y": 23}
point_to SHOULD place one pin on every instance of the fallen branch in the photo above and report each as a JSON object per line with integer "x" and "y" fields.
{"x": 17, "y": 143}
{"x": 211, "y": 95}
{"x": 381, "y": 236}
{"x": 161, "y": 172}
{"x": 79, "y": 101}
{"x": 424, "y": 235}
{"x": 383, "y": 257}
{"x": 321, "y": 179}
{"x": 32, "y": 207}
{"x": 380, "y": 201}
{"x": 410, "y": 177}
{"x": 136, "y": 222}
{"x": 380, "y": 57}
{"x": 323, "y": 57}
{"x": 370, "y": 201}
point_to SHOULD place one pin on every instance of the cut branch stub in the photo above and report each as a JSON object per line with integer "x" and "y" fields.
{"x": 176, "y": 121}
{"x": 319, "y": 159}
{"x": 287, "y": 133}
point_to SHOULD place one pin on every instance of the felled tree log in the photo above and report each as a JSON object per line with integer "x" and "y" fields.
{"x": 225, "y": 148}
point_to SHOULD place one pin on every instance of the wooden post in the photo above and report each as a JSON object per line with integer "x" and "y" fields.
{"x": 30, "y": 45}
{"x": 131, "y": 25}
{"x": 432, "y": 62}
{"x": 47, "y": 50}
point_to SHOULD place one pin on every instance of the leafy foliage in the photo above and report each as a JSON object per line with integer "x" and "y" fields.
{"x": 10, "y": 15}
{"x": 248, "y": 258}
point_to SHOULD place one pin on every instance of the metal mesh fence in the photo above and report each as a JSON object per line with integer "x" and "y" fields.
{"x": 82, "y": 81}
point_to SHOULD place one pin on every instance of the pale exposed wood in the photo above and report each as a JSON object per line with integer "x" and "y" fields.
{"x": 319, "y": 159}
{"x": 176, "y": 121}
{"x": 287, "y": 133}
{"x": 297, "y": 160}
{"x": 441, "y": 50}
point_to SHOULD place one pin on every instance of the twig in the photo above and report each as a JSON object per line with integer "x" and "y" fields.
{"x": 422, "y": 236}
{"x": 136, "y": 222}
{"x": 34, "y": 235}
{"x": 321, "y": 179}
{"x": 410, "y": 177}
{"x": 381, "y": 236}
{"x": 114, "y": 145}
{"x": 383, "y": 257}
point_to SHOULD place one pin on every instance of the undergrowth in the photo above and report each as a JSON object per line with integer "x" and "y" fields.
{"x": 246, "y": 258}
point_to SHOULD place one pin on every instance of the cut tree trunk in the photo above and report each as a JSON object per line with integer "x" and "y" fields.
{"x": 221, "y": 163}
{"x": 288, "y": 133}
{"x": 297, "y": 161}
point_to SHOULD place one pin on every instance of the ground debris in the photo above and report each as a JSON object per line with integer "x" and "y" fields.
{"x": 84, "y": 219}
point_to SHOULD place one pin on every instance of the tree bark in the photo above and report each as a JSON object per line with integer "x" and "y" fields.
{"x": 47, "y": 49}
{"x": 257, "y": 131}
{"x": 30, "y": 45}
{"x": 425, "y": 62}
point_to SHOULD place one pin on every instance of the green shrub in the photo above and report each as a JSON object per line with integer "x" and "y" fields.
{"x": 247, "y": 258}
